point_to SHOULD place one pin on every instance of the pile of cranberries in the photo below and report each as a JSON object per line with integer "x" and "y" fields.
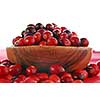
{"x": 15, "y": 73}
{"x": 50, "y": 35}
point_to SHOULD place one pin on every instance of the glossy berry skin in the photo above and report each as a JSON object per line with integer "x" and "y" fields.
{"x": 98, "y": 64}
{"x": 66, "y": 42}
{"x": 46, "y": 35}
{"x": 52, "y": 41}
{"x": 92, "y": 70}
{"x": 84, "y": 42}
{"x": 31, "y": 25}
{"x": 42, "y": 76}
{"x": 63, "y": 36}
{"x": 56, "y": 31}
{"x": 6, "y": 62}
{"x": 77, "y": 81}
{"x": 74, "y": 40}
{"x": 31, "y": 70}
{"x": 29, "y": 40}
{"x": 80, "y": 74}
{"x": 56, "y": 69}
{"x": 19, "y": 42}
{"x": 63, "y": 29}
{"x": 47, "y": 81}
{"x": 74, "y": 34}
{"x": 66, "y": 78}
{"x": 43, "y": 43}
{"x": 15, "y": 69}
{"x": 37, "y": 37}
{"x": 30, "y": 30}
{"x": 3, "y": 70}
{"x": 39, "y": 26}
{"x": 15, "y": 39}
{"x": 2, "y": 80}
{"x": 41, "y": 31}
{"x": 54, "y": 78}
{"x": 49, "y": 27}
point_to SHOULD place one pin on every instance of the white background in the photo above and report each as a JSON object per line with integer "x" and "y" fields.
{"x": 81, "y": 16}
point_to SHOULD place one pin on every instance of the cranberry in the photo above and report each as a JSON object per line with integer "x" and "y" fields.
{"x": 15, "y": 69}
{"x": 6, "y": 62}
{"x": 47, "y": 34}
{"x": 63, "y": 36}
{"x": 15, "y": 39}
{"x": 2, "y": 80}
{"x": 56, "y": 31}
{"x": 37, "y": 37}
{"x": 19, "y": 42}
{"x": 98, "y": 64}
{"x": 31, "y": 25}
{"x": 39, "y": 26}
{"x": 63, "y": 29}
{"x": 31, "y": 79}
{"x": 42, "y": 76}
{"x": 41, "y": 31}
{"x": 74, "y": 34}
{"x": 54, "y": 25}
{"x": 29, "y": 40}
{"x": 77, "y": 81}
{"x": 23, "y": 33}
{"x": 31, "y": 70}
{"x": 47, "y": 81}
{"x": 92, "y": 70}
{"x": 80, "y": 74}
{"x": 74, "y": 40}
{"x": 43, "y": 43}
{"x": 3, "y": 70}
{"x": 49, "y": 27}
{"x": 56, "y": 69}
{"x": 66, "y": 42}
{"x": 54, "y": 78}
{"x": 9, "y": 77}
{"x": 66, "y": 78}
{"x": 52, "y": 41}
{"x": 30, "y": 30}
{"x": 84, "y": 42}
{"x": 67, "y": 31}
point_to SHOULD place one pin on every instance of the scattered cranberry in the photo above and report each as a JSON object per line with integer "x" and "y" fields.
{"x": 29, "y": 40}
{"x": 52, "y": 41}
{"x": 80, "y": 74}
{"x": 92, "y": 70}
{"x": 15, "y": 39}
{"x": 84, "y": 42}
{"x": 56, "y": 69}
{"x": 47, "y": 34}
{"x": 42, "y": 76}
{"x": 15, "y": 69}
{"x": 54, "y": 78}
{"x": 66, "y": 42}
{"x": 19, "y": 42}
{"x": 31, "y": 70}
{"x": 77, "y": 81}
{"x": 41, "y": 31}
{"x": 43, "y": 43}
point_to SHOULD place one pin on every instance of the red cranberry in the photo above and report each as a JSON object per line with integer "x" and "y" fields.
{"x": 6, "y": 62}
{"x": 54, "y": 78}
{"x": 80, "y": 74}
{"x": 3, "y": 70}
{"x": 98, "y": 64}
{"x": 31, "y": 25}
{"x": 56, "y": 31}
{"x": 31, "y": 70}
{"x": 15, "y": 39}
{"x": 77, "y": 81}
{"x": 42, "y": 76}
{"x": 41, "y": 31}
{"x": 2, "y": 80}
{"x": 19, "y": 42}
{"x": 74, "y": 40}
{"x": 9, "y": 77}
{"x": 66, "y": 42}
{"x": 67, "y": 31}
{"x": 63, "y": 36}
{"x": 30, "y": 30}
{"x": 39, "y": 26}
{"x": 47, "y": 81}
{"x": 92, "y": 70}
{"x": 31, "y": 79}
{"x": 47, "y": 34}
{"x": 43, "y": 43}
{"x": 49, "y": 27}
{"x": 63, "y": 29}
{"x": 74, "y": 34}
{"x": 66, "y": 78}
{"x": 37, "y": 37}
{"x": 56, "y": 69}
{"x": 84, "y": 42}
{"x": 29, "y": 40}
{"x": 52, "y": 41}
{"x": 15, "y": 69}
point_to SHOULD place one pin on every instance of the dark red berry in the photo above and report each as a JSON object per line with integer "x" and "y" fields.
{"x": 63, "y": 29}
{"x": 47, "y": 81}
{"x": 92, "y": 70}
{"x": 15, "y": 39}
{"x": 2, "y": 80}
{"x": 43, "y": 43}
{"x": 54, "y": 78}
{"x": 30, "y": 30}
{"x": 98, "y": 64}
{"x": 3, "y": 70}
{"x": 84, "y": 42}
{"x": 52, "y": 41}
{"x": 41, "y": 31}
{"x": 15, "y": 69}
{"x": 66, "y": 42}
{"x": 66, "y": 78}
{"x": 29, "y": 40}
{"x": 39, "y": 26}
{"x": 47, "y": 34}
{"x": 6, "y": 62}
{"x": 49, "y": 27}
{"x": 31, "y": 25}
{"x": 74, "y": 34}
{"x": 80, "y": 74}
{"x": 74, "y": 40}
{"x": 37, "y": 37}
{"x": 56, "y": 31}
{"x": 42, "y": 76}
{"x": 19, "y": 42}
{"x": 63, "y": 36}
{"x": 77, "y": 81}
{"x": 31, "y": 70}
{"x": 56, "y": 69}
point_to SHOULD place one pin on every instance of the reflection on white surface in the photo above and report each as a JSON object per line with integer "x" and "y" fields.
{"x": 78, "y": 15}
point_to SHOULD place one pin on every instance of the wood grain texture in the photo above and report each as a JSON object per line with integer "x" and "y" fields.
{"x": 71, "y": 58}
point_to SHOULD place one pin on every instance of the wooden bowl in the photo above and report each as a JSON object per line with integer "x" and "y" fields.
{"x": 72, "y": 58}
